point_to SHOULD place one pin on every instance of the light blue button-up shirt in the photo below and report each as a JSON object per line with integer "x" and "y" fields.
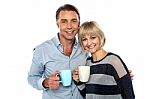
{"x": 47, "y": 58}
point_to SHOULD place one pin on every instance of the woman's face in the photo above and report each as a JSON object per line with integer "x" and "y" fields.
{"x": 91, "y": 43}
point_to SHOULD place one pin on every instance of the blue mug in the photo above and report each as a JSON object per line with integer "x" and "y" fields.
{"x": 66, "y": 77}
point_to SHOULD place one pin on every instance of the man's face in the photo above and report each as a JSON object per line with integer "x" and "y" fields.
{"x": 68, "y": 24}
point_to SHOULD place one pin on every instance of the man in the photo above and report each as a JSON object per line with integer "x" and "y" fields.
{"x": 61, "y": 52}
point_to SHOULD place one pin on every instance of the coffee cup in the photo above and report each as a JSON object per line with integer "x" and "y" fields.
{"x": 84, "y": 73}
{"x": 65, "y": 77}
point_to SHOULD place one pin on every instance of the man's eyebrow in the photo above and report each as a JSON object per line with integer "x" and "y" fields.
{"x": 74, "y": 19}
{"x": 63, "y": 19}
{"x": 71, "y": 19}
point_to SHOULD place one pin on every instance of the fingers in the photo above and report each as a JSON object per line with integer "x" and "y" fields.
{"x": 53, "y": 86}
{"x": 75, "y": 71}
{"x": 75, "y": 75}
{"x": 130, "y": 71}
{"x": 131, "y": 75}
{"x": 54, "y": 81}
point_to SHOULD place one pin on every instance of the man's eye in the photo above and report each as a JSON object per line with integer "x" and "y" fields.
{"x": 63, "y": 21}
{"x": 74, "y": 21}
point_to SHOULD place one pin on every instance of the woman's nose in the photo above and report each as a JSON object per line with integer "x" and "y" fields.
{"x": 89, "y": 42}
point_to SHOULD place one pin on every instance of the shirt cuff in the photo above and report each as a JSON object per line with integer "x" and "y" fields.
{"x": 40, "y": 85}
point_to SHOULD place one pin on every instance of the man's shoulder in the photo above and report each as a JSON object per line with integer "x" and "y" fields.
{"x": 44, "y": 44}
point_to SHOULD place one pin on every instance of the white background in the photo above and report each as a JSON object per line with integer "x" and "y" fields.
{"x": 26, "y": 23}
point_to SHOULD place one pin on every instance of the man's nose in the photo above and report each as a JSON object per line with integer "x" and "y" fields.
{"x": 69, "y": 25}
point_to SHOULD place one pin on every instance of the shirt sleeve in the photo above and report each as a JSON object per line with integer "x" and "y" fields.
{"x": 40, "y": 85}
{"x": 35, "y": 74}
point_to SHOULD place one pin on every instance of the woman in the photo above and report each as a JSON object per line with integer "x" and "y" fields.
{"x": 109, "y": 76}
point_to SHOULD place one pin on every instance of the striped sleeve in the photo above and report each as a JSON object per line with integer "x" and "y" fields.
{"x": 124, "y": 81}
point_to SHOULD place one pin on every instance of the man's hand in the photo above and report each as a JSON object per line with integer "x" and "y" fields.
{"x": 131, "y": 75}
{"x": 52, "y": 82}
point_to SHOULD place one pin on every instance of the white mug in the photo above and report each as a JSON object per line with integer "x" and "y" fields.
{"x": 84, "y": 73}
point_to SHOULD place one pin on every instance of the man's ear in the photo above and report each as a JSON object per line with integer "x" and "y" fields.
{"x": 57, "y": 24}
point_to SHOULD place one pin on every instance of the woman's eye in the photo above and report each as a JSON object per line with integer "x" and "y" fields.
{"x": 83, "y": 39}
{"x": 93, "y": 37}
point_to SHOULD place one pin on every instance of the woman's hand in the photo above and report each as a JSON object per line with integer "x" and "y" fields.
{"x": 75, "y": 75}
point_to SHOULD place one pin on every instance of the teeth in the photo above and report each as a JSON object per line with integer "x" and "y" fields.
{"x": 69, "y": 31}
{"x": 92, "y": 46}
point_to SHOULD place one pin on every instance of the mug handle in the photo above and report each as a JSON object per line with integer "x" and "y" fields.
{"x": 57, "y": 75}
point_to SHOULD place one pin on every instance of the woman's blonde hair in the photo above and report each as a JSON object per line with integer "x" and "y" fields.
{"x": 91, "y": 28}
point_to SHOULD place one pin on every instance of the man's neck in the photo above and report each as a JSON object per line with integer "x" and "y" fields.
{"x": 67, "y": 46}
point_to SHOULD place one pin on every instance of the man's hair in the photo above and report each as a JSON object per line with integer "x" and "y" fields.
{"x": 67, "y": 7}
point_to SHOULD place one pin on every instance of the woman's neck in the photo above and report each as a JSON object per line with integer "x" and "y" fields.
{"x": 99, "y": 55}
